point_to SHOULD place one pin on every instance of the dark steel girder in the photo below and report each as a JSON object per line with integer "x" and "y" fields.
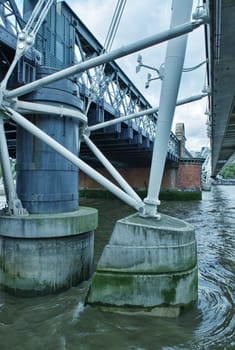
{"x": 222, "y": 72}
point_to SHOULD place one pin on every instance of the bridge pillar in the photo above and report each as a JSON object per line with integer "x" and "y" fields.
{"x": 46, "y": 182}
{"x": 150, "y": 262}
{"x": 51, "y": 249}
{"x": 46, "y": 253}
{"x": 148, "y": 266}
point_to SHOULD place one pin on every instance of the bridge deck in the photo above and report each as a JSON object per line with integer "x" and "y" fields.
{"x": 221, "y": 51}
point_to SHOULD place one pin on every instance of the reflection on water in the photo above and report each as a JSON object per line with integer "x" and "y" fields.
{"x": 62, "y": 322}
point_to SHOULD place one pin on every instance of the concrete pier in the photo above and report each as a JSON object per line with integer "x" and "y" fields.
{"x": 46, "y": 253}
{"x": 147, "y": 266}
{"x": 51, "y": 248}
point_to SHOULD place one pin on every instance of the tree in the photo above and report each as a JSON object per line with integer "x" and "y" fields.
{"x": 228, "y": 172}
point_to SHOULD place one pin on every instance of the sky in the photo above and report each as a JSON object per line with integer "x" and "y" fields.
{"x": 139, "y": 20}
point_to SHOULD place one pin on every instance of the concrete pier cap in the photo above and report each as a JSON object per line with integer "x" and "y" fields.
{"x": 149, "y": 266}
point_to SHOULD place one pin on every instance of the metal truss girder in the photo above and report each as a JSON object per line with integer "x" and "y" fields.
{"x": 9, "y": 9}
{"x": 7, "y": 38}
{"x": 125, "y": 97}
{"x": 114, "y": 85}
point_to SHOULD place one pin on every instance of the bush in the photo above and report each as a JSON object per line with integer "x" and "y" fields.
{"x": 172, "y": 195}
{"x": 228, "y": 172}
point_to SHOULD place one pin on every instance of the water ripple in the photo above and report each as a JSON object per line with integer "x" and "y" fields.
{"x": 61, "y": 321}
{"x": 218, "y": 320}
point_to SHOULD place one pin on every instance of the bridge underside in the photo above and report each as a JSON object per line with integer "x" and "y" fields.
{"x": 124, "y": 144}
{"x": 123, "y": 152}
{"x": 222, "y": 71}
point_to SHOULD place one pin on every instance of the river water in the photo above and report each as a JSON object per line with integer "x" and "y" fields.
{"x": 61, "y": 322}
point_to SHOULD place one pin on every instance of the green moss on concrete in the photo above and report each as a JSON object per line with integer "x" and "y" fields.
{"x": 109, "y": 289}
{"x": 193, "y": 288}
{"x": 117, "y": 281}
{"x": 168, "y": 296}
{"x": 170, "y": 293}
{"x": 143, "y": 290}
{"x": 29, "y": 293}
{"x": 9, "y": 273}
{"x": 20, "y": 286}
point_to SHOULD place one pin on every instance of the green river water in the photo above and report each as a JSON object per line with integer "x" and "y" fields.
{"x": 62, "y": 322}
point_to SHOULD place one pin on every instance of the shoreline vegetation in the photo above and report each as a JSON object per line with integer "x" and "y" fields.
{"x": 164, "y": 194}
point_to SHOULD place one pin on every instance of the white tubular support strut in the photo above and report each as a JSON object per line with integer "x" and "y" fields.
{"x": 122, "y": 119}
{"x": 122, "y": 182}
{"x": 174, "y": 61}
{"x": 26, "y": 37}
{"x": 30, "y": 127}
{"x": 31, "y": 107}
{"x": 14, "y": 204}
{"x": 144, "y": 112}
{"x": 106, "y": 57}
{"x": 37, "y": 17}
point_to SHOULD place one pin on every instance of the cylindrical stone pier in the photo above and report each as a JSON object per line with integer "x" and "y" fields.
{"x": 46, "y": 253}
{"x": 51, "y": 249}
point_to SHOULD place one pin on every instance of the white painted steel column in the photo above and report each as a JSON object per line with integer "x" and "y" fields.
{"x": 173, "y": 67}
{"x": 14, "y": 204}
{"x": 110, "y": 168}
{"x": 5, "y": 162}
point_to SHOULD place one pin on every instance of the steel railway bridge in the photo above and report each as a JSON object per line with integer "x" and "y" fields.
{"x": 99, "y": 90}
{"x": 107, "y": 90}
{"x": 104, "y": 93}
{"x": 64, "y": 103}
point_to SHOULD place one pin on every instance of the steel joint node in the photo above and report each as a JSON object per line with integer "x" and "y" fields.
{"x": 201, "y": 13}
{"x": 151, "y": 201}
{"x": 149, "y": 210}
